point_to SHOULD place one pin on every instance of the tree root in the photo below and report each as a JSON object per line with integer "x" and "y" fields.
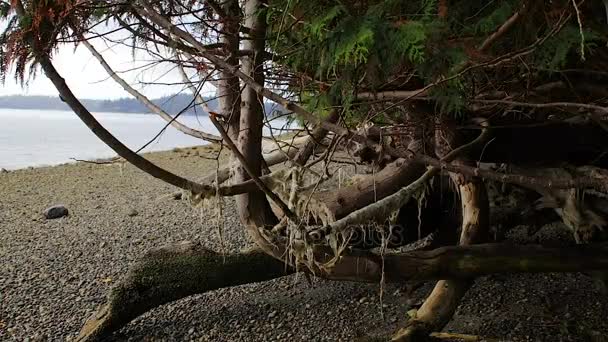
{"x": 459, "y": 337}
{"x": 177, "y": 271}
{"x": 439, "y": 307}
{"x": 173, "y": 272}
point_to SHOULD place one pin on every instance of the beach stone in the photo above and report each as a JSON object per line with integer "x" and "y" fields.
{"x": 133, "y": 212}
{"x": 55, "y": 212}
{"x": 3, "y": 170}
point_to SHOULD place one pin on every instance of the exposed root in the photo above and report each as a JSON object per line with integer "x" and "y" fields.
{"x": 443, "y": 301}
{"x": 173, "y": 272}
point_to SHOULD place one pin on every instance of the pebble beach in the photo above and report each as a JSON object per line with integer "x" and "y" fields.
{"x": 55, "y": 273}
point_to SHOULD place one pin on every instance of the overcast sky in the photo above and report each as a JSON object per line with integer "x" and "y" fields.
{"x": 88, "y": 80}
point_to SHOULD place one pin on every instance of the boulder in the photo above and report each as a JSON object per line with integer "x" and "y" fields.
{"x": 55, "y": 211}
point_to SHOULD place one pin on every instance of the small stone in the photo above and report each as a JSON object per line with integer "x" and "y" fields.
{"x": 362, "y": 300}
{"x": 3, "y": 170}
{"x": 272, "y": 314}
{"x": 55, "y": 212}
{"x": 177, "y": 196}
{"x": 191, "y": 331}
{"x": 133, "y": 213}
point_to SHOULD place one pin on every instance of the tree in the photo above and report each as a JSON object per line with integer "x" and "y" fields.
{"x": 422, "y": 93}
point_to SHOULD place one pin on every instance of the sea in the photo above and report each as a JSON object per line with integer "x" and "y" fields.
{"x": 33, "y": 138}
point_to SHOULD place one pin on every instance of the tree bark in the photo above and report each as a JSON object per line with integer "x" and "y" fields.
{"x": 228, "y": 85}
{"x": 177, "y": 271}
{"x": 253, "y": 207}
{"x": 439, "y": 307}
{"x": 370, "y": 189}
{"x": 173, "y": 272}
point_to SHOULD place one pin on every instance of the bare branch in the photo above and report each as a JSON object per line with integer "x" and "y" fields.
{"x": 143, "y": 99}
{"x": 251, "y": 173}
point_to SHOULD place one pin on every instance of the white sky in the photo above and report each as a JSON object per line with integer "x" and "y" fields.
{"x": 88, "y": 80}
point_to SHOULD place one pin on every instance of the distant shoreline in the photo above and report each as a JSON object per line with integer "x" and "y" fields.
{"x": 97, "y": 111}
{"x": 101, "y": 160}
{"x": 172, "y": 104}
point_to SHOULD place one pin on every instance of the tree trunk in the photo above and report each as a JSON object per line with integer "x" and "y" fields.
{"x": 228, "y": 85}
{"x": 253, "y": 207}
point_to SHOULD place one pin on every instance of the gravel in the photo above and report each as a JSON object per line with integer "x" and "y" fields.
{"x": 54, "y": 273}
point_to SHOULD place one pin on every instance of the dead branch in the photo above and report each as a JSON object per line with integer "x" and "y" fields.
{"x": 505, "y": 27}
{"x": 439, "y": 307}
{"x": 143, "y": 99}
{"x": 244, "y": 163}
{"x": 574, "y": 105}
{"x": 585, "y": 179}
{"x": 115, "y": 144}
{"x": 385, "y": 206}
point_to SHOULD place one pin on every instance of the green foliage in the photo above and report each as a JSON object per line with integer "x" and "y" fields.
{"x": 353, "y": 42}
{"x": 4, "y": 9}
{"x": 553, "y": 54}
{"x": 320, "y": 26}
{"x": 496, "y": 18}
{"x": 451, "y": 97}
{"x": 368, "y": 46}
{"x": 409, "y": 40}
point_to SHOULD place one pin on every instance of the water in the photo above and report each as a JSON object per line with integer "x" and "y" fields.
{"x": 42, "y": 137}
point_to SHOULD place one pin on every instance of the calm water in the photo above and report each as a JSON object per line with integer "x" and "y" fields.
{"x": 36, "y": 138}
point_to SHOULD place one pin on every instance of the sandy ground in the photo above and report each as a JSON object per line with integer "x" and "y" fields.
{"x": 54, "y": 273}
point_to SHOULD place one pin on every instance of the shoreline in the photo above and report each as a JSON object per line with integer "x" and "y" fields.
{"x": 55, "y": 273}
{"x": 99, "y": 161}
{"x": 267, "y": 146}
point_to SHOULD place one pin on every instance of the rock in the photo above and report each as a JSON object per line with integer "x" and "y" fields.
{"x": 272, "y": 314}
{"x": 3, "y": 170}
{"x": 55, "y": 211}
{"x": 133, "y": 213}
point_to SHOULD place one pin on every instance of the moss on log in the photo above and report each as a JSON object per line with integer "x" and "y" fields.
{"x": 177, "y": 271}
{"x": 173, "y": 272}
